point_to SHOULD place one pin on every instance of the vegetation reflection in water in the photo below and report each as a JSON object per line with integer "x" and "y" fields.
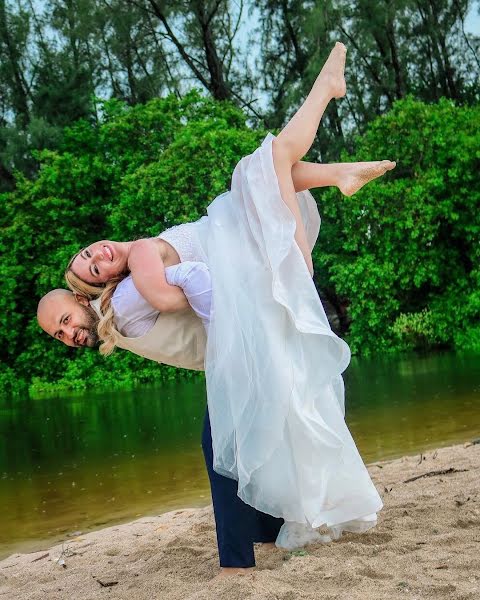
{"x": 76, "y": 463}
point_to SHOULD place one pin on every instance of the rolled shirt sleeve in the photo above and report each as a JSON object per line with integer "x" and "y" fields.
{"x": 194, "y": 279}
{"x": 134, "y": 316}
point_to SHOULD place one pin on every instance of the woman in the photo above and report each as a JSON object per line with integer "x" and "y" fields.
{"x": 273, "y": 365}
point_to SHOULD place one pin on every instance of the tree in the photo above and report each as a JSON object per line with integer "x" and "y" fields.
{"x": 395, "y": 48}
{"x": 58, "y": 55}
{"x": 402, "y": 255}
{"x": 123, "y": 176}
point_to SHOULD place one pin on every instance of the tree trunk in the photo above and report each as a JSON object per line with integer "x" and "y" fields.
{"x": 17, "y": 80}
{"x": 218, "y": 87}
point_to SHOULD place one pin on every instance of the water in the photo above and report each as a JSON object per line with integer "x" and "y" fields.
{"x": 78, "y": 463}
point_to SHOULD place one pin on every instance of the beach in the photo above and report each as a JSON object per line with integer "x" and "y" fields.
{"x": 426, "y": 545}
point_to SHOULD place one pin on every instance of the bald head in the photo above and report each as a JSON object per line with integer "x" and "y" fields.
{"x": 52, "y": 297}
{"x": 68, "y": 318}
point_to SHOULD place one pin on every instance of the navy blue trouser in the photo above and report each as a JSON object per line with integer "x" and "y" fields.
{"x": 239, "y": 525}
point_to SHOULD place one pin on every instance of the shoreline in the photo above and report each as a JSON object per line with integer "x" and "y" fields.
{"x": 37, "y": 543}
{"x": 43, "y": 543}
{"x": 426, "y": 544}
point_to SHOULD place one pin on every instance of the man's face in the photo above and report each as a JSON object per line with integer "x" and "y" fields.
{"x": 68, "y": 318}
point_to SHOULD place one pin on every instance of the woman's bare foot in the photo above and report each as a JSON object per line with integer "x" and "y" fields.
{"x": 354, "y": 176}
{"x": 333, "y": 70}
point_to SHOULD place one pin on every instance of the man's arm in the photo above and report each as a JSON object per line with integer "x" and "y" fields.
{"x": 194, "y": 279}
{"x": 148, "y": 273}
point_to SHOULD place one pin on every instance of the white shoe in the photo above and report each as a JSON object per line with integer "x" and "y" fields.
{"x": 297, "y": 535}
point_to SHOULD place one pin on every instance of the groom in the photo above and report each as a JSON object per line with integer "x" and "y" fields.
{"x": 178, "y": 339}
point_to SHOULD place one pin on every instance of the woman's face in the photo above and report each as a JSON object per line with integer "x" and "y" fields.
{"x": 101, "y": 261}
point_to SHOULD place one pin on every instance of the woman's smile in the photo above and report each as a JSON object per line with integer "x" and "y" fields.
{"x": 108, "y": 252}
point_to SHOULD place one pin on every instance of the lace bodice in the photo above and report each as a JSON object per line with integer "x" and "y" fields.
{"x": 184, "y": 238}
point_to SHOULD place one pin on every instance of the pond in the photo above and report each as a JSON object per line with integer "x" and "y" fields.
{"x": 77, "y": 463}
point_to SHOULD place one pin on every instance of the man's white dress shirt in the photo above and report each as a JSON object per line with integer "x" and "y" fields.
{"x": 134, "y": 316}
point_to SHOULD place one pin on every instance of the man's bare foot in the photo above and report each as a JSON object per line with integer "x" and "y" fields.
{"x": 355, "y": 175}
{"x": 229, "y": 571}
{"x": 333, "y": 70}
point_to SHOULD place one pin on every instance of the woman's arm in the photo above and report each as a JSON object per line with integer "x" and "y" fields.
{"x": 148, "y": 274}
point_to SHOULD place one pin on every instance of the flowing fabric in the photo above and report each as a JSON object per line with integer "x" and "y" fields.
{"x": 273, "y": 365}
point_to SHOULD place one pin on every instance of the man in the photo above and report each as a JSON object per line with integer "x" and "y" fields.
{"x": 178, "y": 339}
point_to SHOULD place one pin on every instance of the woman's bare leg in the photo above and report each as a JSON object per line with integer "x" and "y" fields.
{"x": 298, "y": 134}
{"x": 348, "y": 177}
{"x": 296, "y": 138}
{"x": 283, "y": 169}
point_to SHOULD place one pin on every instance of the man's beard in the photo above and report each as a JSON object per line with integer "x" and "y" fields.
{"x": 90, "y": 327}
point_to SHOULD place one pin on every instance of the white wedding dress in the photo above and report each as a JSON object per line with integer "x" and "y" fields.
{"x": 273, "y": 365}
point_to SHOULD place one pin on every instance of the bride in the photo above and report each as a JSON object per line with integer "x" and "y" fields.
{"x": 273, "y": 365}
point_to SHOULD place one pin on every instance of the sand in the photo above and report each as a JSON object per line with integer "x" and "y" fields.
{"x": 426, "y": 545}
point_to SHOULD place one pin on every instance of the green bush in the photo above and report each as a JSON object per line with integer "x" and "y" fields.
{"x": 399, "y": 260}
{"x": 138, "y": 171}
{"x": 403, "y": 253}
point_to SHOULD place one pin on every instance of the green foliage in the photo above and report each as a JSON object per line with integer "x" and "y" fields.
{"x": 399, "y": 260}
{"x": 55, "y": 55}
{"x": 396, "y": 48}
{"x": 135, "y": 173}
{"x": 403, "y": 254}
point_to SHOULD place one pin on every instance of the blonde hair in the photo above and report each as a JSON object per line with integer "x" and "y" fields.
{"x": 105, "y": 328}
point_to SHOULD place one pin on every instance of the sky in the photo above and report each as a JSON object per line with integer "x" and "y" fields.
{"x": 472, "y": 22}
